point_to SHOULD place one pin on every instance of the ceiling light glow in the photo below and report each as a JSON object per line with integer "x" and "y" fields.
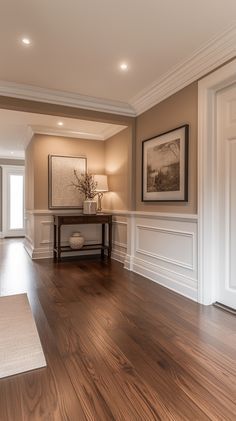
{"x": 124, "y": 66}
{"x": 26, "y": 41}
{"x": 60, "y": 123}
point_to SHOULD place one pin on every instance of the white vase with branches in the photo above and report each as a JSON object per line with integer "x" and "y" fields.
{"x": 86, "y": 184}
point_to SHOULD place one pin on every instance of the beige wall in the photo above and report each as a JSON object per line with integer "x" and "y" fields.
{"x": 37, "y": 163}
{"x": 117, "y": 164}
{"x": 179, "y": 109}
{"x": 4, "y": 161}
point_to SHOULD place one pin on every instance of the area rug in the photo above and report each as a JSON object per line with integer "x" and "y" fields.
{"x": 20, "y": 347}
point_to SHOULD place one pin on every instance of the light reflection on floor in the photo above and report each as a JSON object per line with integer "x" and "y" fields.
{"x": 14, "y": 267}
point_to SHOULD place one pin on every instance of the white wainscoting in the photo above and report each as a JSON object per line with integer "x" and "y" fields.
{"x": 159, "y": 246}
{"x": 163, "y": 248}
{"x": 39, "y": 234}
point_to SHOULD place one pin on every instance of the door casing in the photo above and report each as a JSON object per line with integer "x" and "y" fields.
{"x": 207, "y": 162}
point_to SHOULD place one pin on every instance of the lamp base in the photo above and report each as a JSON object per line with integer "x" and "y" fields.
{"x": 99, "y": 206}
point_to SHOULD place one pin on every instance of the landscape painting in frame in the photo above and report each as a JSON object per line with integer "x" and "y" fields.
{"x": 165, "y": 166}
{"x": 61, "y": 192}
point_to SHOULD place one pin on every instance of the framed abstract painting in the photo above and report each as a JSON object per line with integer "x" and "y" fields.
{"x": 61, "y": 192}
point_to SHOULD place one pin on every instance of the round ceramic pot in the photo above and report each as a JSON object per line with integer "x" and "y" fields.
{"x": 90, "y": 207}
{"x": 76, "y": 241}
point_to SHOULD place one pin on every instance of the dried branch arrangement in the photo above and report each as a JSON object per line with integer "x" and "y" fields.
{"x": 85, "y": 184}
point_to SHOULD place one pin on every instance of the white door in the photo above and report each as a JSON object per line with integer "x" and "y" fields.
{"x": 13, "y": 201}
{"x": 225, "y": 223}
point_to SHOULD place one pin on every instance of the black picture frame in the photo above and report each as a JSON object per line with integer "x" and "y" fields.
{"x": 165, "y": 166}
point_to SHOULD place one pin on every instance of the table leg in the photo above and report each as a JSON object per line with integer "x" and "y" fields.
{"x": 103, "y": 240}
{"x": 54, "y": 243}
{"x": 59, "y": 243}
{"x": 110, "y": 239}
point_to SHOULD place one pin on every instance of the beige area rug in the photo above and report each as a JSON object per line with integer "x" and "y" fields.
{"x": 20, "y": 347}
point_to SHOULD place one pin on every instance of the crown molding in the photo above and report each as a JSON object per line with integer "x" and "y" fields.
{"x": 65, "y": 133}
{"x": 211, "y": 55}
{"x": 11, "y": 158}
{"x": 107, "y": 133}
{"x": 51, "y": 96}
{"x": 204, "y": 60}
{"x": 112, "y": 130}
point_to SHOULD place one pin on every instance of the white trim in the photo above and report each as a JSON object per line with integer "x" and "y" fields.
{"x": 65, "y": 133}
{"x": 51, "y": 96}
{"x": 118, "y": 255}
{"x": 154, "y": 215}
{"x": 110, "y": 131}
{"x": 158, "y": 215}
{"x": 122, "y": 245}
{"x": 166, "y": 278}
{"x": 207, "y": 90}
{"x": 214, "y": 53}
{"x": 12, "y": 158}
{"x": 158, "y": 256}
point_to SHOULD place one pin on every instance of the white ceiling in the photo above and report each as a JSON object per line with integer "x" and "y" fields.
{"x": 17, "y": 128}
{"x": 79, "y": 44}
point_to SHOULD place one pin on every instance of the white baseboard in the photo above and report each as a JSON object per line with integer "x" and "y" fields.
{"x": 181, "y": 284}
{"x": 118, "y": 255}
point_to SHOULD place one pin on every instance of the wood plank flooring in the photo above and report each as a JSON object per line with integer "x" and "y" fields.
{"x": 118, "y": 346}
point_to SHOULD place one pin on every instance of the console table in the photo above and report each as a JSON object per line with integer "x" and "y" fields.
{"x": 70, "y": 219}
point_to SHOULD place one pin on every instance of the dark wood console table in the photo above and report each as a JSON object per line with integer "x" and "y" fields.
{"x": 70, "y": 219}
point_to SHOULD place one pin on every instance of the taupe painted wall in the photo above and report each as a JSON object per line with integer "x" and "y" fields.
{"x": 37, "y": 163}
{"x": 117, "y": 165}
{"x": 179, "y": 109}
{"x": 4, "y": 161}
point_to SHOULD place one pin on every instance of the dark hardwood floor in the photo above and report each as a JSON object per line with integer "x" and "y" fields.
{"x": 118, "y": 346}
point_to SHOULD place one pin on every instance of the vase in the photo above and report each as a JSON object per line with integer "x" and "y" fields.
{"x": 76, "y": 241}
{"x": 90, "y": 207}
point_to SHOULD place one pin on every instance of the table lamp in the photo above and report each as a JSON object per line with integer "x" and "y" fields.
{"x": 102, "y": 187}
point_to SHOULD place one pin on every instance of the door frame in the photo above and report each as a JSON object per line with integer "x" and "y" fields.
{"x": 207, "y": 172}
{"x": 6, "y": 170}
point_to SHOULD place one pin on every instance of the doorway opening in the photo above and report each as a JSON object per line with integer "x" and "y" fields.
{"x": 13, "y": 201}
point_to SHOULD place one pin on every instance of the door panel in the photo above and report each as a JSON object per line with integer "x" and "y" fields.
{"x": 226, "y": 196}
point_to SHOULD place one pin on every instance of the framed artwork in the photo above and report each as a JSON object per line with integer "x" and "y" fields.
{"x": 61, "y": 193}
{"x": 165, "y": 166}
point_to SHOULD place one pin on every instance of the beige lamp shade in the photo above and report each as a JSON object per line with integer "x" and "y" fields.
{"x": 102, "y": 185}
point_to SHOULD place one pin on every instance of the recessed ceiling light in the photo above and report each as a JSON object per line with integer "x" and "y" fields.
{"x": 12, "y": 153}
{"x": 26, "y": 41}
{"x": 124, "y": 66}
{"x": 60, "y": 123}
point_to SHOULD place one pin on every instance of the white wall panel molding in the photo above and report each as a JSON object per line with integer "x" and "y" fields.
{"x": 119, "y": 240}
{"x": 169, "y": 279}
{"x": 155, "y": 215}
{"x": 163, "y": 248}
{"x": 173, "y": 242}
